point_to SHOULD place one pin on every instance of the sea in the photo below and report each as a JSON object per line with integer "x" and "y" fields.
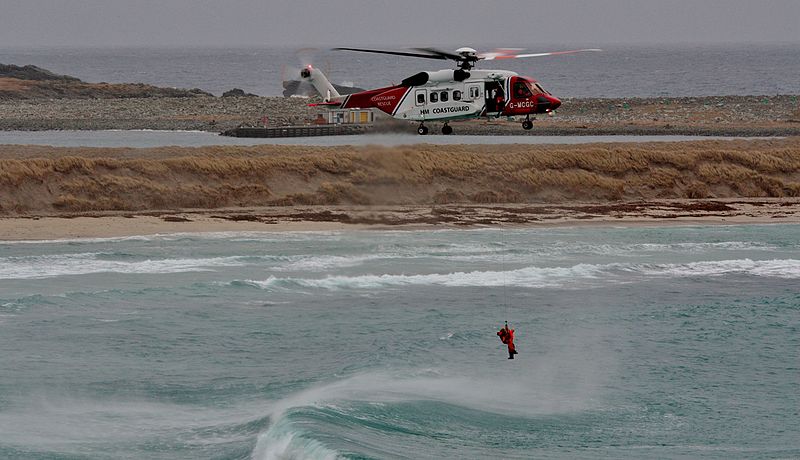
{"x": 634, "y": 342}
{"x": 619, "y": 71}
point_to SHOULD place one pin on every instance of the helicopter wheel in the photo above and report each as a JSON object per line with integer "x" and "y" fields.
{"x": 447, "y": 129}
{"x": 422, "y": 130}
{"x": 527, "y": 124}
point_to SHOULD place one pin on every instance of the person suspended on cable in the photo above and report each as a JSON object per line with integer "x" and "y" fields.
{"x": 507, "y": 337}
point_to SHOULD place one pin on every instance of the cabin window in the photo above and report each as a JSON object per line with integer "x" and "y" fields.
{"x": 434, "y": 97}
{"x": 521, "y": 90}
{"x": 474, "y": 92}
{"x": 456, "y": 95}
{"x": 420, "y": 98}
{"x": 443, "y": 96}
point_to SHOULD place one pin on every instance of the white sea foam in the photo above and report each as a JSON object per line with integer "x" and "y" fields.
{"x": 778, "y": 268}
{"x": 694, "y": 247}
{"x": 265, "y": 236}
{"x": 528, "y": 276}
{"x": 580, "y": 275}
{"x": 562, "y": 250}
{"x": 322, "y": 263}
{"x": 282, "y": 441}
{"x": 48, "y": 266}
{"x": 455, "y": 252}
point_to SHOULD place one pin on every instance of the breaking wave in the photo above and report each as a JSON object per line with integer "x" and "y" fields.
{"x": 237, "y": 236}
{"x": 579, "y": 275}
{"x": 282, "y": 441}
{"x": 530, "y": 276}
{"x": 48, "y": 266}
{"x": 777, "y": 268}
{"x": 375, "y": 411}
{"x": 322, "y": 263}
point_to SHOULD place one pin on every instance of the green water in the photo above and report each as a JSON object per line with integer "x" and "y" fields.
{"x": 674, "y": 342}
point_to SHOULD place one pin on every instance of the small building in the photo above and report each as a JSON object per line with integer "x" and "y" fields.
{"x": 351, "y": 116}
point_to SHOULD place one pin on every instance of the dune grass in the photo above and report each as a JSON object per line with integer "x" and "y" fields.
{"x": 46, "y": 180}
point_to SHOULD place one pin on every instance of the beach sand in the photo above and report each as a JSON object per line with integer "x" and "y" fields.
{"x": 339, "y": 218}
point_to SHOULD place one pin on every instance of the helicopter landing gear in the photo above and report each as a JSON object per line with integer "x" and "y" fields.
{"x": 447, "y": 129}
{"x": 422, "y": 130}
{"x": 527, "y": 124}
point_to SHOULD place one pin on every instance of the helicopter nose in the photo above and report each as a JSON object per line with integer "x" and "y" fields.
{"x": 546, "y": 103}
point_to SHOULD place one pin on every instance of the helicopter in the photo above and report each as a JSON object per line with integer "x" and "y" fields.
{"x": 450, "y": 94}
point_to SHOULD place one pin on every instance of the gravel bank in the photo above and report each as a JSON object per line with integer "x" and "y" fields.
{"x": 718, "y": 115}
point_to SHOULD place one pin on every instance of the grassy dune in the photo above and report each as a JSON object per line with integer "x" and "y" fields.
{"x": 52, "y": 181}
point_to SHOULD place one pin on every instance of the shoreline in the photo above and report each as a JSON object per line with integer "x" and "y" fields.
{"x": 655, "y": 213}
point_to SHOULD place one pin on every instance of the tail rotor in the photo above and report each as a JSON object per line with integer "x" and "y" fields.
{"x": 307, "y": 80}
{"x": 294, "y": 82}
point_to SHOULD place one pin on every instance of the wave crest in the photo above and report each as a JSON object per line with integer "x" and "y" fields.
{"x": 283, "y": 442}
{"x": 538, "y": 277}
{"x": 48, "y": 266}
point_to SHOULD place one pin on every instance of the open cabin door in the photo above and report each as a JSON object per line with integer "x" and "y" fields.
{"x": 495, "y": 96}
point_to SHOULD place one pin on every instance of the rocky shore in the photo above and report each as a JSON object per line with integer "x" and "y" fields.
{"x": 162, "y": 113}
{"x": 34, "y": 83}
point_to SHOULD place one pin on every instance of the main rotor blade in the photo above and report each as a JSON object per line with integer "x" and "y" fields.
{"x": 509, "y": 54}
{"x": 443, "y": 54}
{"x": 396, "y": 53}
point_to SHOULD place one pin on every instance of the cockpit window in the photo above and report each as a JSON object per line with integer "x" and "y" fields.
{"x": 521, "y": 90}
{"x": 538, "y": 89}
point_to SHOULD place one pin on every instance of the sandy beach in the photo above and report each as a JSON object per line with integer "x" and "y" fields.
{"x": 336, "y": 218}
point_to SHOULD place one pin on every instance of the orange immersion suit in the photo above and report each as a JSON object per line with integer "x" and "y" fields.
{"x": 507, "y": 336}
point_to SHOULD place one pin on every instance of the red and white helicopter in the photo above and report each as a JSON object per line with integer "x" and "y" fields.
{"x": 446, "y": 95}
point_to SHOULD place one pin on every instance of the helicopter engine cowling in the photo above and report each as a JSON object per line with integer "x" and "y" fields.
{"x": 418, "y": 79}
{"x": 439, "y": 76}
{"x": 460, "y": 75}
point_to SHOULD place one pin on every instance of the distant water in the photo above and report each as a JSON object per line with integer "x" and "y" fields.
{"x": 619, "y": 71}
{"x": 674, "y": 342}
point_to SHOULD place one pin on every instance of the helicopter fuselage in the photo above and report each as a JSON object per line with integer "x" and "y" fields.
{"x": 456, "y": 94}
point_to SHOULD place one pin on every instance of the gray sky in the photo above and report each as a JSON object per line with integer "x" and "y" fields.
{"x": 392, "y": 23}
